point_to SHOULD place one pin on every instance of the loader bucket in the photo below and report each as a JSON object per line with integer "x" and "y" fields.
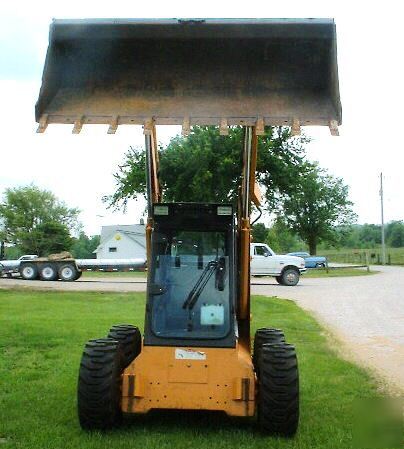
{"x": 196, "y": 71}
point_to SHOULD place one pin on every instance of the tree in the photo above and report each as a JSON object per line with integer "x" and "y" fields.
{"x": 47, "y": 238}
{"x": 84, "y": 247}
{"x": 317, "y": 206}
{"x": 281, "y": 239}
{"x": 259, "y": 233}
{"x": 395, "y": 234}
{"x": 207, "y": 167}
{"x": 370, "y": 235}
{"x": 28, "y": 213}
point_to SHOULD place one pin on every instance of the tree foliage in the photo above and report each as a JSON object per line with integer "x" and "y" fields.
{"x": 36, "y": 220}
{"x": 207, "y": 167}
{"x": 47, "y": 238}
{"x": 317, "y": 206}
{"x": 282, "y": 239}
{"x": 395, "y": 234}
{"x": 83, "y": 247}
{"x": 259, "y": 233}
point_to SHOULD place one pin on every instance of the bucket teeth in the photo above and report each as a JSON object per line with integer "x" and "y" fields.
{"x": 296, "y": 130}
{"x": 235, "y": 70}
{"x": 43, "y": 124}
{"x": 333, "y": 125}
{"x": 78, "y": 125}
{"x": 260, "y": 127}
{"x": 148, "y": 127}
{"x": 113, "y": 125}
{"x": 224, "y": 127}
{"x": 186, "y": 126}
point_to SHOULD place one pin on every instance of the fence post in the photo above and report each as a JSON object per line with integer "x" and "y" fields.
{"x": 367, "y": 262}
{"x": 389, "y": 259}
{"x": 326, "y": 264}
{"x": 378, "y": 259}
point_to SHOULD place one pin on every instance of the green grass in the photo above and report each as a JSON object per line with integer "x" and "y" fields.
{"x": 41, "y": 340}
{"x": 337, "y": 272}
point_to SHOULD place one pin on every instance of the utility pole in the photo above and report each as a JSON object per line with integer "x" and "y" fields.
{"x": 382, "y": 214}
{"x": 2, "y": 242}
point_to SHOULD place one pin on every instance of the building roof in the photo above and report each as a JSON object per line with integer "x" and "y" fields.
{"x": 131, "y": 231}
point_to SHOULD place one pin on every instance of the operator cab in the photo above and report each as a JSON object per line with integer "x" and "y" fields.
{"x": 191, "y": 293}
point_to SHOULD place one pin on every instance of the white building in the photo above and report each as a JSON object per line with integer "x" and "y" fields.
{"x": 122, "y": 242}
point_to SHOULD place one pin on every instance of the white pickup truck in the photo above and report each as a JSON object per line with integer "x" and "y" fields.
{"x": 285, "y": 269}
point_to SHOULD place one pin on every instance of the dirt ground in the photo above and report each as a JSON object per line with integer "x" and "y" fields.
{"x": 365, "y": 313}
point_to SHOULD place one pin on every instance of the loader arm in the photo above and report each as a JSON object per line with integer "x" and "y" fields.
{"x": 195, "y": 353}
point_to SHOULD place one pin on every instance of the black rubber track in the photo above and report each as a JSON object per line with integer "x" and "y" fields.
{"x": 262, "y": 336}
{"x": 278, "y": 394}
{"x": 131, "y": 341}
{"x": 99, "y": 385}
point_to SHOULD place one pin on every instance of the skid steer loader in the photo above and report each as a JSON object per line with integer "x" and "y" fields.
{"x": 195, "y": 350}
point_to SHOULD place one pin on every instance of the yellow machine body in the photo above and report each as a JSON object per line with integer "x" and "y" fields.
{"x": 191, "y": 379}
{"x": 223, "y": 72}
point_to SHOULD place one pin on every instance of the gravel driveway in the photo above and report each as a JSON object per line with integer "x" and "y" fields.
{"x": 366, "y": 313}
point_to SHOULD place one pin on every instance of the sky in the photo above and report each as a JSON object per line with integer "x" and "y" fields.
{"x": 79, "y": 168}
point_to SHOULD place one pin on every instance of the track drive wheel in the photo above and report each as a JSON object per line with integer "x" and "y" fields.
{"x": 278, "y": 394}
{"x": 130, "y": 339}
{"x": 99, "y": 385}
{"x": 262, "y": 336}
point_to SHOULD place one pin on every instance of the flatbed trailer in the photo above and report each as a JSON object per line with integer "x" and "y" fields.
{"x": 49, "y": 270}
{"x": 65, "y": 269}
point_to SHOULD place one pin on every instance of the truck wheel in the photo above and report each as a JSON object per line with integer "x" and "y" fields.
{"x": 99, "y": 385}
{"x": 68, "y": 272}
{"x": 320, "y": 265}
{"x": 278, "y": 394}
{"x": 29, "y": 271}
{"x": 290, "y": 277}
{"x": 130, "y": 339}
{"x": 262, "y": 336}
{"x": 48, "y": 272}
{"x": 278, "y": 279}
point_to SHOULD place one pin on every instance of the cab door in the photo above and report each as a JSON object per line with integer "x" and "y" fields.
{"x": 261, "y": 262}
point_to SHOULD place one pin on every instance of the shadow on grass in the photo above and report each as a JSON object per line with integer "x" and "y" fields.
{"x": 172, "y": 421}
